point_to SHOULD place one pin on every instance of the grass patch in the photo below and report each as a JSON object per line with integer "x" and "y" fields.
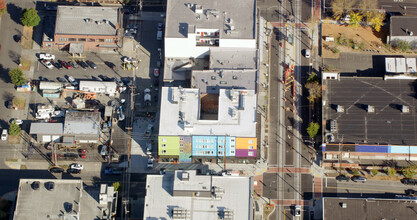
{"x": 27, "y": 42}
{"x": 13, "y": 139}
{"x": 24, "y": 64}
{"x": 11, "y": 160}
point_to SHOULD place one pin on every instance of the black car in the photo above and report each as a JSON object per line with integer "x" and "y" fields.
{"x": 342, "y": 178}
{"x": 41, "y": 78}
{"x": 409, "y": 181}
{"x": 57, "y": 65}
{"x": 91, "y": 64}
{"x": 104, "y": 78}
{"x": 56, "y": 170}
{"x": 75, "y": 171}
{"x": 110, "y": 64}
{"x": 82, "y": 64}
{"x": 156, "y": 82}
{"x": 60, "y": 79}
{"x": 17, "y": 38}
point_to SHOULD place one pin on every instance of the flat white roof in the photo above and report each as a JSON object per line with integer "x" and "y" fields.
{"x": 183, "y": 18}
{"x": 181, "y": 113}
{"x": 400, "y": 65}
{"x": 233, "y": 58}
{"x": 233, "y": 193}
{"x": 390, "y": 65}
{"x": 188, "y": 180}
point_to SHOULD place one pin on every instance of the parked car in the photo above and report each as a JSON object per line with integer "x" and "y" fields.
{"x": 113, "y": 171}
{"x": 110, "y": 64}
{"x": 17, "y": 121}
{"x": 407, "y": 181}
{"x": 65, "y": 64}
{"x": 342, "y": 178}
{"x": 77, "y": 166}
{"x": 57, "y": 65}
{"x": 156, "y": 72}
{"x": 46, "y": 56}
{"x": 4, "y": 135}
{"x": 41, "y": 78}
{"x": 17, "y": 38}
{"x": 359, "y": 179}
{"x": 82, "y": 64}
{"x": 91, "y": 64}
{"x": 150, "y": 163}
{"x": 51, "y": 8}
{"x": 134, "y": 26}
{"x": 56, "y": 170}
{"x": 160, "y": 26}
{"x": 47, "y": 64}
{"x": 97, "y": 78}
{"x": 129, "y": 60}
{"x": 118, "y": 81}
{"x": 72, "y": 81}
{"x": 75, "y": 171}
{"x": 104, "y": 78}
{"x": 103, "y": 150}
{"x": 297, "y": 210}
{"x": 74, "y": 64}
{"x": 50, "y": 186}
{"x": 82, "y": 153}
{"x": 156, "y": 83}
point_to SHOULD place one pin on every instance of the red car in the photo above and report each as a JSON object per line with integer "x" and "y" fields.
{"x": 82, "y": 153}
{"x": 156, "y": 72}
{"x": 65, "y": 64}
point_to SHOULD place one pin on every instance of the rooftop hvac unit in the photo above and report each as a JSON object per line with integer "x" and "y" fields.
{"x": 185, "y": 176}
{"x": 343, "y": 204}
{"x": 333, "y": 126}
{"x": 340, "y": 108}
{"x": 405, "y": 109}
{"x": 370, "y": 109}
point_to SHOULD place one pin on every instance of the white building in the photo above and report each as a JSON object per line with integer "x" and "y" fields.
{"x": 99, "y": 87}
{"x": 185, "y": 195}
{"x": 192, "y": 27}
{"x": 187, "y": 112}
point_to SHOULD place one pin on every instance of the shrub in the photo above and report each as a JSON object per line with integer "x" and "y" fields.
{"x": 117, "y": 186}
{"x": 355, "y": 172}
{"x": 16, "y": 75}
{"x": 409, "y": 172}
{"x": 374, "y": 171}
{"x": 335, "y": 50}
{"x": 14, "y": 129}
{"x": 402, "y": 45}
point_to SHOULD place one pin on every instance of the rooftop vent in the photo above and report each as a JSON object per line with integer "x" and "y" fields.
{"x": 99, "y": 22}
{"x": 370, "y": 109}
{"x": 340, "y": 108}
{"x": 333, "y": 126}
{"x": 410, "y": 33}
{"x": 405, "y": 109}
{"x": 185, "y": 176}
{"x": 343, "y": 204}
{"x": 198, "y": 9}
{"x": 88, "y": 20}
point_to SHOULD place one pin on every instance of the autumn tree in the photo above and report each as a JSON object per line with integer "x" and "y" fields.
{"x": 367, "y": 6}
{"x": 3, "y": 8}
{"x": 355, "y": 20}
{"x": 341, "y": 7}
{"x": 376, "y": 20}
{"x": 314, "y": 90}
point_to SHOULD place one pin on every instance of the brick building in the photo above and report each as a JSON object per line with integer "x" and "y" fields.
{"x": 85, "y": 27}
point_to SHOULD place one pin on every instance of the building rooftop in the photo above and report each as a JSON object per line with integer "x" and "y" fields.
{"x": 77, "y": 122}
{"x": 333, "y": 208}
{"x": 87, "y": 20}
{"x": 233, "y": 58}
{"x": 184, "y": 17}
{"x": 232, "y": 195}
{"x": 387, "y": 125}
{"x": 180, "y": 68}
{"x": 46, "y": 128}
{"x": 67, "y": 200}
{"x": 190, "y": 181}
{"x": 403, "y": 25}
{"x": 211, "y": 81}
{"x": 235, "y": 113}
{"x": 400, "y": 65}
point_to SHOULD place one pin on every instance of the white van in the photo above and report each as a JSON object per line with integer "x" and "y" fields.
{"x": 4, "y": 135}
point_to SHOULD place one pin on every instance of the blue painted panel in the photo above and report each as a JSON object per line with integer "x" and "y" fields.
{"x": 371, "y": 148}
{"x": 413, "y": 149}
{"x": 399, "y": 149}
{"x": 204, "y": 146}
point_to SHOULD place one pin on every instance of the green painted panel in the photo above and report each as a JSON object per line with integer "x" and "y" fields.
{"x": 168, "y": 145}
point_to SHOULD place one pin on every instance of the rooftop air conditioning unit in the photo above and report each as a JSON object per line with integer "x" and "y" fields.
{"x": 370, "y": 109}
{"x": 405, "y": 109}
{"x": 340, "y": 108}
{"x": 343, "y": 204}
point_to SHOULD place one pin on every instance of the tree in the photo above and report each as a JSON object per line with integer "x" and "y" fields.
{"x": 117, "y": 186}
{"x": 30, "y": 17}
{"x": 3, "y": 8}
{"x": 341, "y": 7}
{"x": 14, "y": 129}
{"x": 313, "y": 78}
{"x": 313, "y": 129}
{"x": 355, "y": 20}
{"x": 376, "y": 20}
{"x": 374, "y": 171}
{"x": 409, "y": 172}
{"x": 367, "y": 6}
{"x": 314, "y": 90}
{"x": 16, "y": 75}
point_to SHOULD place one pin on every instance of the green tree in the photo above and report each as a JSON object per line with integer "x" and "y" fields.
{"x": 313, "y": 129}
{"x": 341, "y": 7}
{"x": 3, "y": 8}
{"x": 355, "y": 20}
{"x": 409, "y": 172}
{"x": 355, "y": 172}
{"x": 374, "y": 171}
{"x": 314, "y": 90}
{"x": 16, "y": 75}
{"x": 30, "y": 17}
{"x": 391, "y": 171}
{"x": 14, "y": 129}
{"x": 313, "y": 78}
{"x": 117, "y": 186}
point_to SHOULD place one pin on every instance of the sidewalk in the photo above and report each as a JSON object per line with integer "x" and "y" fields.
{"x": 24, "y": 164}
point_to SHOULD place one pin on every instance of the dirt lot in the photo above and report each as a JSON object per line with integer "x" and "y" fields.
{"x": 363, "y": 38}
{"x": 27, "y": 37}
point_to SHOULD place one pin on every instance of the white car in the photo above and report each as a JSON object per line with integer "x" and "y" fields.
{"x": 307, "y": 53}
{"x": 46, "y": 56}
{"x": 47, "y": 63}
{"x": 4, "y": 135}
{"x": 297, "y": 210}
{"x": 129, "y": 60}
{"x": 72, "y": 81}
{"x": 150, "y": 163}
{"x": 18, "y": 121}
{"x": 77, "y": 166}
